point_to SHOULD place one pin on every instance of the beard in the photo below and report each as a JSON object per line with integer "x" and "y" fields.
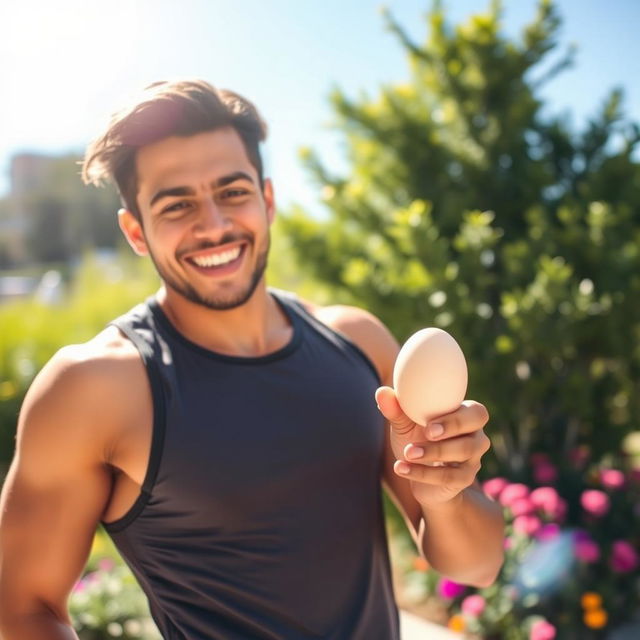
{"x": 221, "y": 300}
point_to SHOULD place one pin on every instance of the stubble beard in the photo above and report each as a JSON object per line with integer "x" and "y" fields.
{"x": 219, "y": 301}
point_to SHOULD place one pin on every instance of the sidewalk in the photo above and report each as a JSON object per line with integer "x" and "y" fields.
{"x": 414, "y": 628}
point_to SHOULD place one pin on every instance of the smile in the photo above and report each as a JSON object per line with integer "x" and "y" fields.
{"x": 217, "y": 259}
{"x": 221, "y": 261}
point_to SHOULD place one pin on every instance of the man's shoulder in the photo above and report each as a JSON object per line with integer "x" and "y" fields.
{"x": 85, "y": 391}
{"x": 363, "y": 328}
{"x": 97, "y": 360}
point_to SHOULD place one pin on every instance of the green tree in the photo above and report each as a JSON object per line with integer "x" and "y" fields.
{"x": 470, "y": 208}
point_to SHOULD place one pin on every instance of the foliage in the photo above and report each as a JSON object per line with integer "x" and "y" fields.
{"x": 572, "y": 568}
{"x": 107, "y": 601}
{"x": 33, "y": 330}
{"x": 470, "y": 208}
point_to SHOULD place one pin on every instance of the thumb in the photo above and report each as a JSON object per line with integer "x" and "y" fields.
{"x": 389, "y": 406}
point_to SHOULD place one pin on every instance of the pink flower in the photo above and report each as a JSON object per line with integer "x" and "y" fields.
{"x": 586, "y": 550}
{"x": 91, "y": 578}
{"x": 522, "y": 507}
{"x": 79, "y": 586}
{"x": 493, "y": 487}
{"x": 527, "y": 525}
{"x": 449, "y": 589}
{"x": 624, "y": 557}
{"x": 513, "y": 492}
{"x": 545, "y": 498}
{"x": 545, "y": 473}
{"x": 561, "y": 511}
{"x": 548, "y": 532}
{"x": 542, "y": 630}
{"x": 507, "y": 544}
{"x": 612, "y": 479}
{"x": 549, "y": 502}
{"x": 595, "y": 502}
{"x": 473, "y": 605}
{"x": 106, "y": 564}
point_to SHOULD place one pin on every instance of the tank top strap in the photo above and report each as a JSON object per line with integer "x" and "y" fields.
{"x": 293, "y": 302}
{"x": 138, "y": 326}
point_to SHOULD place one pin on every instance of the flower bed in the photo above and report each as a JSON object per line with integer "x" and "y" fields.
{"x": 572, "y": 557}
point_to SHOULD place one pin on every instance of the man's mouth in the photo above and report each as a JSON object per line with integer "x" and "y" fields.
{"x": 219, "y": 260}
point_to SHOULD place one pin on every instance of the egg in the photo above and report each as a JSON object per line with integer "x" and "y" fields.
{"x": 430, "y": 375}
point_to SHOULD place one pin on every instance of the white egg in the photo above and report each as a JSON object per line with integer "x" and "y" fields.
{"x": 430, "y": 375}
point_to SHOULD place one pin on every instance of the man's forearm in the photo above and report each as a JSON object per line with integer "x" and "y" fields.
{"x": 463, "y": 539}
{"x": 36, "y": 626}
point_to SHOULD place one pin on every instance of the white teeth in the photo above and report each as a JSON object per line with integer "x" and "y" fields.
{"x": 217, "y": 259}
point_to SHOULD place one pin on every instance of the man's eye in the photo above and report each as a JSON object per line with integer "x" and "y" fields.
{"x": 234, "y": 193}
{"x": 176, "y": 206}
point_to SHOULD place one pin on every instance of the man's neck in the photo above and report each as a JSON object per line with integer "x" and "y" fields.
{"x": 255, "y": 328}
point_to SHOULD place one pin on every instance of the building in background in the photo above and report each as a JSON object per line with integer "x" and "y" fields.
{"x": 27, "y": 173}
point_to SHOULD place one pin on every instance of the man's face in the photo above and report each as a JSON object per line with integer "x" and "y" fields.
{"x": 205, "y": 218}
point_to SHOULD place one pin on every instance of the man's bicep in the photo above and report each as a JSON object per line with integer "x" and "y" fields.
{"x": 52, "y": 500}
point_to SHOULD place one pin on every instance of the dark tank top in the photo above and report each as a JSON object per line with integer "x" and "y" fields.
{"x": 260, "y": 515}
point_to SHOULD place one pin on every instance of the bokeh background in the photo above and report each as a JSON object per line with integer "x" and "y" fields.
{"x": 470, "y": 165}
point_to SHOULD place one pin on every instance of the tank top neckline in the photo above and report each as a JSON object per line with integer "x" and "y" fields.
{"x": 282, "y": 352}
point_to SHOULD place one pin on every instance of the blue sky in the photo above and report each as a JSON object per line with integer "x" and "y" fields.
{"x": 66, "y": 64}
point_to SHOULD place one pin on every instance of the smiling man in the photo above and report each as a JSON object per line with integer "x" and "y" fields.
{"x": 226, "y": 434}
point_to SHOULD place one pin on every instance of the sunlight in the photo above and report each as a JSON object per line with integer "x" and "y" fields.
{"x": 63, "y": 55}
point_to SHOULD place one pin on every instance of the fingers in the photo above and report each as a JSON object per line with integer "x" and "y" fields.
{"x": 452, "y": 477}
{"x": 459, "y": 449}
{"x": 454, "y": 450}
{"x": 390, "y": 408}
{"x": 453, "y": 464}
{"x": 469, "y": 418}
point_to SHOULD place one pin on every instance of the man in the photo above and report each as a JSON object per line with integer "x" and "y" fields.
{"x": 226, "y": 434}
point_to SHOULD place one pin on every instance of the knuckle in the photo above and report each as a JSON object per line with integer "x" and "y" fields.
{"x": 469, "y": 448}
{"x": 483, "y": 414}
{"x": 486, "y": 443}
{"x": 449, "y": 476}
{"x": 434, "y": 452}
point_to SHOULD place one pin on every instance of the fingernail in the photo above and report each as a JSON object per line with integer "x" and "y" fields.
{"x": 403, "y": 468}
{"x": 436, "y": 430}
{"x": 415, "y": 452}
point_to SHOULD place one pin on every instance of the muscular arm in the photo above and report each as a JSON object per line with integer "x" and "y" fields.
{"x": 461, "y": 537}
{"x": 52, "y": 500}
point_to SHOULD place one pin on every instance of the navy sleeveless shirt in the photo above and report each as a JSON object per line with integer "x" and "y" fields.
{"x": 260, "y": 515}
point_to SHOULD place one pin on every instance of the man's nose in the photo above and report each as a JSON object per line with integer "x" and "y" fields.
{"x": 212, "y": 219}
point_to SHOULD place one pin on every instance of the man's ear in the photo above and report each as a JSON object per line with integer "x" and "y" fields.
{"x": 269, "y": 199}
{"x": 131, "y": 227}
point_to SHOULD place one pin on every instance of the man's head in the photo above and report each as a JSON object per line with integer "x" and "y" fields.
{"x": 186, "y": 161}
{"x": 180, "y": 108}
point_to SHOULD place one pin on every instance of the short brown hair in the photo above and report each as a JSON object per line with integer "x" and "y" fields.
{"x": 179, "y": 108}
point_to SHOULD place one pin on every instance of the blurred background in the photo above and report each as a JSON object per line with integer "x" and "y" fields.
{"x": 465, "y": 164}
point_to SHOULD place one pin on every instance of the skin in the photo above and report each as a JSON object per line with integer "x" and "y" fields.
{"x": 81, "y": 457}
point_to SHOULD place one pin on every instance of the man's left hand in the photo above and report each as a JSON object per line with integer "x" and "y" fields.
{"x": 441, "y": 459}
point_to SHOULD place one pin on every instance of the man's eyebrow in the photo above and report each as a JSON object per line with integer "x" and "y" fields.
{"x": 223, "y": 181}
{"x": 171, "y": 193}
{"x": 232, "y": 177}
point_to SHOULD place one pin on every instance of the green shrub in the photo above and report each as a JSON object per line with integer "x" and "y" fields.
{"x": 33, "y": 331}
